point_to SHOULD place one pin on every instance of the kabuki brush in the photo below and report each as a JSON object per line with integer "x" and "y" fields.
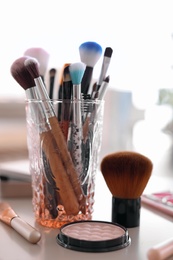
{"x": 126, "y": 174}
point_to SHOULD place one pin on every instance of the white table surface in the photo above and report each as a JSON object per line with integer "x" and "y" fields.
{"x": 154, "y": 228}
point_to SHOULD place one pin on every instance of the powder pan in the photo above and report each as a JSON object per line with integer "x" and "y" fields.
{"x": 93, "y": 236}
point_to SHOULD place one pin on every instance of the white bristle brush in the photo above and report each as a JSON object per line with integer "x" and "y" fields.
{"x": 90, "y": 52}
{"x": 42, "y": 56}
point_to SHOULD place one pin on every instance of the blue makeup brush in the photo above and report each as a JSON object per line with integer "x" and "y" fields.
{"x": 90, "y": 52}
{"x": 76, "y": 73}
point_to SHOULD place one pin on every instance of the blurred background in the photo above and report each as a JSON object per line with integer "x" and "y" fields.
{"x": 138, "y": 103}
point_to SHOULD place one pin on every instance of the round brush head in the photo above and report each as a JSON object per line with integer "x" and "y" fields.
{"x": 33, "y": 67}
{"x": 126, "y": 173}
{"x": 76, "y": 72}
{"x": 90, "y": 53}
{"x": 21, "y": 74}
{"x": 41, "y": 55}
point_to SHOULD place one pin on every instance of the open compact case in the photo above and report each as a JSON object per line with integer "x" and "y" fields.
{"x": 93, "y": 236}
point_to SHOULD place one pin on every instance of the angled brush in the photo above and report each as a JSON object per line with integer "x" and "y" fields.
{"x": 56, "y": 134}
{"x": 61, "y": 92}
{"x": 126, "y": 174}
{"x": 90, "y": 52}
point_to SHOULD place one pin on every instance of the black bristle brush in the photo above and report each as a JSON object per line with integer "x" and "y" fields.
{"x": 126, "y": 174}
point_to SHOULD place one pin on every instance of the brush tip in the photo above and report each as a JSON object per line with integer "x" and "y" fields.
{"x": 90, "y": 52}
{"x": 76, "y": 72}
{"x": 108, "y": 52}
{"x": 41, "y": 55}
{"x": 32, "y": 65}
{"x": 126, "y": 173}
{"x": 21, "y": 74}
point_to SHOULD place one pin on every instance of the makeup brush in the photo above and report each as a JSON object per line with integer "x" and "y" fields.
{"x": 52, "y": 73}
{"x": 100, "y": 93}
{"x": 56, "y": 134}
{"x": 9, "y": 217}
{"x": 61, "y": 92}
{"x": 90, "y": 52}
{"x": 126, "y": 174}
{"x": 66, "y": 101}
{"x": 55, "y": 183}
{"x": 76, "y": 73}
{"x": 42, "y": 56}
{"x": 105, "y": 65}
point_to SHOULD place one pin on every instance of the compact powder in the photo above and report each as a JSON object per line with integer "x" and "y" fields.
{"x": 93, "y": 236}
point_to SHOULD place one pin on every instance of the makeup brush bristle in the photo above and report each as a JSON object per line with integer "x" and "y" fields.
{"x": 32, "y": 65}
{"x": 76, "y": 72}
{"x": 126, "y": 173}
{"x": 90, "y": 52}
{"x": 21, "y": 74}
{"x": 108, "y": 52}
{"x": 41, "y": 55}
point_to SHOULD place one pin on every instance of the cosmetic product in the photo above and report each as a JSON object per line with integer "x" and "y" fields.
{"x": 8, "y": 216}
{"x": 90, "y": 52}
{"x": 105, "y": 65}
{"x": 161, "y": 251}
{"x": 126, "y": 174}
{"x": 61, "y": 92}
{"x": 76, "y": 73}
{"x": 42, "y": 56}
{"x": 49, "y": 146}
{"x": 62, "y": 164}
{"x": 93, "y": 236}
{"x": 66, "y": 108}
{"x": 161, "y": 201}
{"x": 100, "y": 93}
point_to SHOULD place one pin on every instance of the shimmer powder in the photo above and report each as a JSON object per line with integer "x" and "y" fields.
{"x": 93, "y": 236}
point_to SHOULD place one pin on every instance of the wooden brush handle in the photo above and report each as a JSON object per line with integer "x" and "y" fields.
{"x": 62, "y": 180}
{"x": 67, "y": 162}
{"x": 64, "y": 128}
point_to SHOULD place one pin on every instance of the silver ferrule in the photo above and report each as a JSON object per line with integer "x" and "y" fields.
{"x": 77, "y": 120}
{"x": 44, "y": 97}
{"x": 76, "y": 92}
{"x": 36, "y": 106}
{"x": 102, "y": 90}
{"x": 32, "y": 93}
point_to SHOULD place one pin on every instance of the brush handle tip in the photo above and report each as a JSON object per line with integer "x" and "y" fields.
{"x": 25, "y": 230}
{"x": 161, "y": 251}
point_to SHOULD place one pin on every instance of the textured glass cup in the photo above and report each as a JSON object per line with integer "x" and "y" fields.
{"x": 63, "y": 151}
